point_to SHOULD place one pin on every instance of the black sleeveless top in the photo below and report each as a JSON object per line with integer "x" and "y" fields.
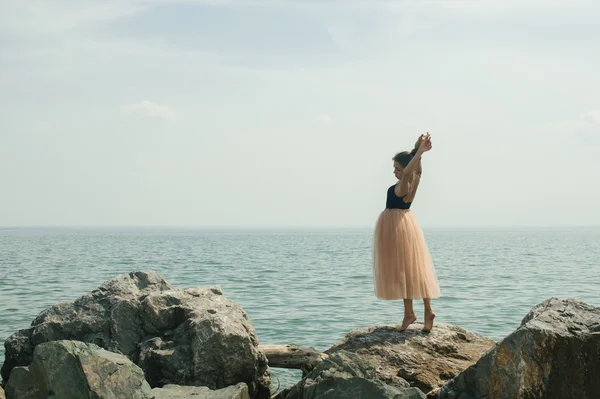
{"x": 395, "y": 202}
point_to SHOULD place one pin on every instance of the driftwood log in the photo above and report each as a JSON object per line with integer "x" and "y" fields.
{"x": 292, "y": 357}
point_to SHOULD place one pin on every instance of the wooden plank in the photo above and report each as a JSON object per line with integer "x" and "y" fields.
{"x": 292, "y": 357}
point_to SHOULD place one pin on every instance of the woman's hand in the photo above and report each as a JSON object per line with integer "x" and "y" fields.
{"x": 426, "y": 145}
{"x": 421, "y": 139}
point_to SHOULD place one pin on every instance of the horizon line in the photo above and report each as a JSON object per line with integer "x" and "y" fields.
{"x": 297, "y": 227}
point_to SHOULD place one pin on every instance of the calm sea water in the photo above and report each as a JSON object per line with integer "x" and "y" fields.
{"x": 305, "y": 287}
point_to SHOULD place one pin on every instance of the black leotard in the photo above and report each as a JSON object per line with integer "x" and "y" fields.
{"x": 395, "y": 202}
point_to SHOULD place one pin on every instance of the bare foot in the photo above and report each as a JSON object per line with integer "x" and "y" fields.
{"x": 408, "y": 320}
{"x": 428, "y": 322}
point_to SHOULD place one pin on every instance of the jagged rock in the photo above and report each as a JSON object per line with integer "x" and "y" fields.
{"x": 555, "y": 353}
{"x": 239, "y": 391}
{"x": 73, "y": 370}
{"x": 413, "y": 358}
{"x": 192, "y": 336}
{"x": 346, "y": 375}
{"x": 20, "y": 384}
{"x": 95, "y": 318}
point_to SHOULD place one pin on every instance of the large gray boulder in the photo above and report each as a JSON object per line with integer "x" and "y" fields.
{"x": 554, "y": 354}
{"x": 239, "y": 391}
{"x": 76, "y": 370}
{"x": 109, "y": 317}
{"x": 346, "y": 375}
{"x": 192, "y": 336}
{"x": 21, "y": 384}
{"x": 414, "y": 358}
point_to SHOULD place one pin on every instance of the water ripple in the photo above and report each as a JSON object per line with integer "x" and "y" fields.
{"x": 305, "y": 288}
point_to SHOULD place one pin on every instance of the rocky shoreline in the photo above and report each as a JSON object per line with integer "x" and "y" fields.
{"x": 136, "y": 336}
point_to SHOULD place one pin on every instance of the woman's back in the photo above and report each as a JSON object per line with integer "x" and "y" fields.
{"x": 395, "y": 202}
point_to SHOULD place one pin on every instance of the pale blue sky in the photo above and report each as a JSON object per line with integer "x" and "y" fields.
{"x": 287, "y": 113}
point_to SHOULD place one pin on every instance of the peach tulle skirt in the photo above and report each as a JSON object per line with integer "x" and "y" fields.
{"x": 402, "y": 265}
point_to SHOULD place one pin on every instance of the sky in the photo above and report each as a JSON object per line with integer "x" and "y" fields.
{"x": 250, "y": 113}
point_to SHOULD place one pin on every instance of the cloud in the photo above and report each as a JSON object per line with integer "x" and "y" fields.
{"x": 591, "y": 117}
{"x": 325, "y": 119}
{"x": 42, "y": 17}
{"x": 148, "y": 108}
{"x": 58, "y": 16}
{"x": 584, "y": 129}
{"x": 28, "y": 17}
{"x": 590, "y": 126}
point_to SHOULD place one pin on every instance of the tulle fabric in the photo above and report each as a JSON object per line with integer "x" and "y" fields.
{"x": 402, "y": 265}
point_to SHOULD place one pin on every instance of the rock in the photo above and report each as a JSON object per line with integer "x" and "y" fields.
{"x": 555, "y": 353}
{"x": 95, "y": 318}
{"x": 347, "y": 375}
{"x": 20, "y": 384}
{"x": 73, "y": 369}
{"x": 413, "y": 358}
{"x": 239, "y": 391}
{"x": 213, "y": 345}
{"x": 192, "y": 336}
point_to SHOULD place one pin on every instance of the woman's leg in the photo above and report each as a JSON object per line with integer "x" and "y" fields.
{"x": 429, "y": 315}
{"x": 409, "y": 315}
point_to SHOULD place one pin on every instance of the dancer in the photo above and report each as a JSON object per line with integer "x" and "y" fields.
{"x": 402, "y": 265}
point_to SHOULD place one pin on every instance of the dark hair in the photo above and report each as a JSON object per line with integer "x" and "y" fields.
{"x": 403, "y": 158}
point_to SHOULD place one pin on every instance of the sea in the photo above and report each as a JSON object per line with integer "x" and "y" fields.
{"x": 307, "y": 287}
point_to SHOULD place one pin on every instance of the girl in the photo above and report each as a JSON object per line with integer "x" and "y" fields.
{"x": 402, "y": 266}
